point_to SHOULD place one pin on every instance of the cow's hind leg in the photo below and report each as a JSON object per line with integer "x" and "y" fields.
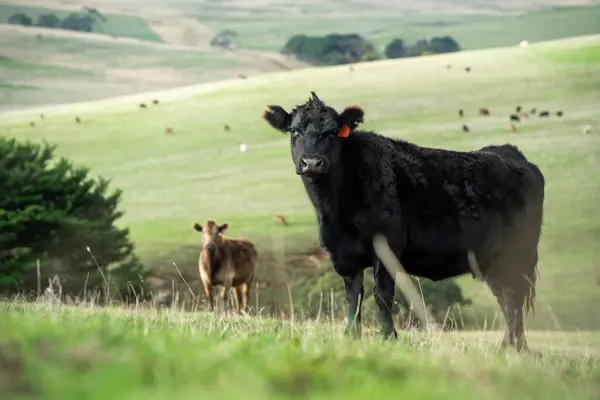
{"x": 384, "y": 297}
{"x": 515, "y": 291}
{"x": 355, "y": 292}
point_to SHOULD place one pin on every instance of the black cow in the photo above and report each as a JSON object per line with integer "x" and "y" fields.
{"x": 543, "y": 114}
{"x": 433, "y": 206}
{"x": 461, "y": 113}
{"x": 515, "y": 118}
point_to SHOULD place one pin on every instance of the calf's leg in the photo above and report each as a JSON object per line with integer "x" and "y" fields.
{"x": 237, "y": 298}
{"x": 208, "y": 293}
{"x": 226, "y": 288}
{"x": 384, "y": 298}
{"x": 355, "y": 293}
{"x": 244, "y": 295}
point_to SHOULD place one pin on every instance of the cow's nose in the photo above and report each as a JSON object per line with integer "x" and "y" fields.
{"x": 311, "y": 164}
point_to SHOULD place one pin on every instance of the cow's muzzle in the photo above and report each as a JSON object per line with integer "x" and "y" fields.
{"x": 312, "y": 165}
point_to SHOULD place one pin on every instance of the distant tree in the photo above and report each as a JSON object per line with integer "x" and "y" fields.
{"x": 79, "y": 22}
{"x": 20, "y": 19}
{"x": 443, "y": 44}
{"x": 395, "y": 49}
{"x": 332, "y": 49}
{"x": 53, "y": 211}
{"x": 223, "y": 39}
{"x": 48, "y": 21}
{"x": 418, "y": 48}
{"x": 437, "y": 45}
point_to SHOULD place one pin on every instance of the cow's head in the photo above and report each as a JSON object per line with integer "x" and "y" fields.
{"x": 211, "y": 234}
{"x": 316, "y": 133}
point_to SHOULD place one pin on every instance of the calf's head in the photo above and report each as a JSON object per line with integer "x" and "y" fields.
{"x": 316, "y": 132}
{"x": 211, "y": 234}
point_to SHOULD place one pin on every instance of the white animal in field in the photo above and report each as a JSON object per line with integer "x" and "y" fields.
{"x": 524, "y": 43}
{"x": 243, "y": 147}
{"x": 587, "y": 129}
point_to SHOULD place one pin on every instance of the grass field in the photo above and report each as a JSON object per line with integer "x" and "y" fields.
{"x": 171, "y": 181}
{"x": 115, "y": 25}
{"x": 55, "y": 352}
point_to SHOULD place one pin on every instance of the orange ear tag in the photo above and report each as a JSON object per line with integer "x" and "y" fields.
{"x": 344, "y": 131}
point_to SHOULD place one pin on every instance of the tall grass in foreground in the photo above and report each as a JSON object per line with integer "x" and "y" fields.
{"x": 56, "y": 351}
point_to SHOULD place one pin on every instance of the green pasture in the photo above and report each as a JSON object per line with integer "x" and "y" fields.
{"x": 172, "y": 181}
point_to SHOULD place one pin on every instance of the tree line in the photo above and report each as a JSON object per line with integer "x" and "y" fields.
{"x": 336, "y": 49}
{"x": 82, "y": 22}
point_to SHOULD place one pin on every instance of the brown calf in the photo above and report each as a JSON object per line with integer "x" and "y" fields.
{"x": 227, "y": 262}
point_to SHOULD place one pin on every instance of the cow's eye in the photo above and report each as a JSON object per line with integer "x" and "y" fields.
{"x": 294, "y": 132}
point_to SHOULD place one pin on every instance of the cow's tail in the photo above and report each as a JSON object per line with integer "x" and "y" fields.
{"x": 531, "y": 277}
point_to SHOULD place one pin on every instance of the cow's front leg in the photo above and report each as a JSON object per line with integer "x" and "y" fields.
{"x": 384, "y": 297}
{"x": 355, "y": 293}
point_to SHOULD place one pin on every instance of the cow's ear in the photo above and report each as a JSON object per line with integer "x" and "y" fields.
{"x": 350, "y": 117}
{"x": 198, "y": 227}
{"x": 223, "y": 228}
{"x": 278, "y": 118}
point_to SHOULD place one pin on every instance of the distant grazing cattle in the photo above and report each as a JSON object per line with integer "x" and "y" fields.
{"x": 461, "y": 113}
{"x": 280, "y": 219}
{"x": 42, "y": 116}
{"x": 524, "y": 114}
{"x": 168, "y": 131}
{"x": 518, "y": 109}
{"x": 449, "y": 66}
{"x": 32, "y": 124}
{"x": 484, "y": 111}
{"x": 544, "y": 114}
{"x": 242, "y": 76}
{"x": 142, "y": 105}
{"x": 465, "y": 128}
{"x": 155, "y": 101}
{"x": 78, "y": 120}
{"x": 512, "y": 128}
{"x": 468, "y": 69}
{"x": 533, "y": 111}
{"x": 227, "y": 127}
{"x": 514, "y": 117}
{"x": 559, "y": 113}
{"x": 227, "y": 262}
{"x": 434, "y": 206}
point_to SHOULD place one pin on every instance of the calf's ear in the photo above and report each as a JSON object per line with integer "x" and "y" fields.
{"x": 350, "y": 117}
{"x": 278, "y": 118}
{"x": 198, "y": 227}
{"x": 223, "y": 228}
